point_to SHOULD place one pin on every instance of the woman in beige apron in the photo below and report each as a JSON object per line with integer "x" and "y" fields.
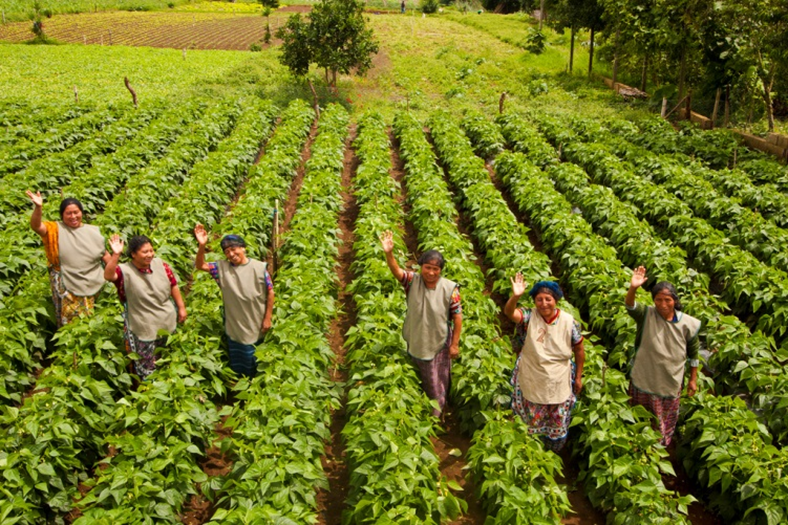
{"x": 75, "y": 252}
{"x": 151, "y": 299}
{"x": 666, "y": 340}
{"x": 247, "y": 294}
{"x": 433, "y": 322}
{"x": 545, "y": 380}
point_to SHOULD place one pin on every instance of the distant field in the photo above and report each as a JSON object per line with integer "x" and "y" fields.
{"x": 180, "y": 30}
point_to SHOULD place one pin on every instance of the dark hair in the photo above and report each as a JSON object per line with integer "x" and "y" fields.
{"x": 665, "y": 286}
{"x": 137, "y": 242}
{"x": 68, "y": 202}
{"x": 550, "y": 287}
{"x": 232, "y": 240}
{"x": 432, "y": 257}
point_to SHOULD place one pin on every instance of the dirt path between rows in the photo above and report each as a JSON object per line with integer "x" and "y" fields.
{"x": 331, "y": 502}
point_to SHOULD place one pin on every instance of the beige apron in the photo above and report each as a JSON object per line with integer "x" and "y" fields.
{"x": 661, "y": 357}
{"x": 245, "y": 296}
{"x": 545, "y": 373}
{"x": 81, "y": 250}
{"x": 149, "y": 300}
{"x": 426, "y": 324}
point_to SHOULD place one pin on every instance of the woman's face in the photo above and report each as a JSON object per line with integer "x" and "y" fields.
{"x": 143, "y": 256}
{"x": 665, "y": 304}
{"x": 545, "y": 305}
{"x": 235, "y": 254}
{"x": 430, "y": 273}
{"x": 72, "y": 216}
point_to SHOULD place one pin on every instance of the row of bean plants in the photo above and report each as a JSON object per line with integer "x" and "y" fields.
{"x": 504, "y": 459}
{"x": 76, "y": 398}
{"x": 21, "y": 121}
{"x": 604, "y": 402}
{"x": 27, "y": 322}
{"x": 709, "y": 469}
{"x": 281, "y": 420}
{"x": 395, "y": 472}
{"x": 767, "y": 198}
{"x": 48, "y": 173}
{"x": 741, "y": 359}
{"x": 162, "y": 429}
{"x": 16, "y": 156}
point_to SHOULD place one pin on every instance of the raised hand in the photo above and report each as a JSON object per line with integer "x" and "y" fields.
{"x": 638, "y": 277}
{"x": 116, "y": 244}
{"x": 200, "y": 234}
{"x": 387, "y": 241}
{"x": 35, "y": 198}
{"x": 518, "y": 285}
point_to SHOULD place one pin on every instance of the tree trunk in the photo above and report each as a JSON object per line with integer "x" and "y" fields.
{"x": 615, "y": 57}
{"x": 541, "y": 14}
{"x": 716, "y": 107}
{"x": 682, "y": 72}
{"x": 327, "y": 82}
{"x": 643, "y": 73}
{"x": 571, "y": 48}
{"x": 591, "y": 53}
{"x": 768, "y": 84}
{"x": 727, "y": 105}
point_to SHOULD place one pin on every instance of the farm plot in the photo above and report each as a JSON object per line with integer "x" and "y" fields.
{"x": 171, "y": 30}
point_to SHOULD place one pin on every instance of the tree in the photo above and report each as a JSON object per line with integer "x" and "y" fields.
{"x": 335, "y": 39}
{"x": 576, "y": 14}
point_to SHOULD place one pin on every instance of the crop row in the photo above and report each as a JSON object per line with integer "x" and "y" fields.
{"x": 395, "y": 472}
{"x": 281, "y": 420}
{"x": 27, "y": 322}
{"x": 607, "y": 484}
{"x": 503, "y": 458}
{"x": 77, "y": 398}
{"x": 16, "y": 156}
{"x": 709, "y": 468}
{"x": 740, "y": 358}
{"x": 162, "y": 429}
{"x": 21, "y": 121}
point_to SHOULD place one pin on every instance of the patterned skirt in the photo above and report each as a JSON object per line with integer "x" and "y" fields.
{"x": 665, "y": 408}
{"x": 145, "y": 364}
{"x": 67, "y": 305}
{"x": 436, "y": 378}
{"x": 242, "y": 359}
{"x": 551, "y": 422}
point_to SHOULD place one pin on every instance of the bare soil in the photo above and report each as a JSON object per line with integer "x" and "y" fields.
{"x": 331, "y": 502}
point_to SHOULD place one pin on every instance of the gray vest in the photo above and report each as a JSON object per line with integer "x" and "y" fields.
{"x": 80, "y": 250}
{"x": 245, "y": 296}
{"x": 426, "y": 324}
{"x": 662, "y": 354}
{"x": 149, "y": 302}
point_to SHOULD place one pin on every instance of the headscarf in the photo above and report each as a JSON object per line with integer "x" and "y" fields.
{"x": 228, "y": 241}
{"x": 550, "y": 287}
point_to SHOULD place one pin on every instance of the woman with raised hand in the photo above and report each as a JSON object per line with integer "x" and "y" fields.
{"x": 152, "y": 301}
{"x": 75, "y": 252}
{"x": 666, "y": 339}
{"x": 433, "y": 321}
{"x": 247, "y": 294}
{"x": 546, "y": 381}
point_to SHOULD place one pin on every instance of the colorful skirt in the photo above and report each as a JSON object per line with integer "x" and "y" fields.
{"x": 665, "y": 408}
{"x": 145, "y": 365}
{"x": 242, "y": 359}
{"x": 551, "y": 422}
{"x": 436, "y": 378}
{"x": 67, "y": 305}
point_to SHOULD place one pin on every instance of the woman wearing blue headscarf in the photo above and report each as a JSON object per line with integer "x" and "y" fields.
{"x": 247, "y": 294}
{"x": 546, "y": 381}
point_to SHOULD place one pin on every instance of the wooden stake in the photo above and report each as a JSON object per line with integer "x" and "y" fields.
{"x": 133, "y": 93}
{"x": 689, "y": 105}
{"x": 315, "y": 103}
{"x": 3, "y": 16}
{"x": 84, "y": 40}
{"x": 664, "y": 112}
{"x": 76, "y": 95}
{"x": 275, "y": 234}
{"x": 110, "y": 37}
{"x": 184, "y": 53}
{"x": 716, "y": 107}
{"x": 501, "y": 102}
{"x": 102, "y": 40}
